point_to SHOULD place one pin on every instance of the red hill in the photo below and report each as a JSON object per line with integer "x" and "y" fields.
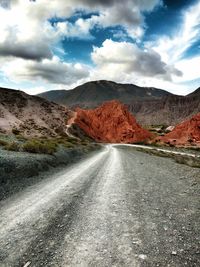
{"x": 111, "y": 123}
{"x": 185, "y": 133}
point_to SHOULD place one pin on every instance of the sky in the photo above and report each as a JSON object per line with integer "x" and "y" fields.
{"x": 60, "y": 44}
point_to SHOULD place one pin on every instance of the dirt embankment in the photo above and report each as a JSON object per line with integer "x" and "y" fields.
{"x": 20, "y": 169}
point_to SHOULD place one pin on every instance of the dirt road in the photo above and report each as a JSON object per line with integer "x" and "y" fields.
{"x": 120, "y": 207}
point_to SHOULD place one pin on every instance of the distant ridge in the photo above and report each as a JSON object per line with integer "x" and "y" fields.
{"x": 149, "y": 105}
{"x": 195, "y": 93}
{"x": 94, "y": 93}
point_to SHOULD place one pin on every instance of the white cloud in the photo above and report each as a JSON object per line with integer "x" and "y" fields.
{"x": 52, "y": 71}
{"x": 24, "y": 36}
{"x": 80, "y": 29}
{"x": 26, "y": 23}
{"x": 171, "y": 49}
{"x": 123, "y": 58}
{"x": 190, "y": 69}
{"x": 27, "y": 39}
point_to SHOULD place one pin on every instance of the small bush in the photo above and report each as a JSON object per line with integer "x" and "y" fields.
{"x": 14, "y": 146}
{"x": 72, "y": 140}
{"x": 182, "y": 159}
{"x": 34, "y": 146}
{"x": 21, "y": 138}
{"x": 15, "y": 131}
{"x": 3, "y": 143}
{"x": 84, "y": 143}
{"x": 67, "y": 142}
{"x": 141, "y": 143}
{"x": 195, "y": 148}
{"x": 68, "y": 145}
{"x": 190, "y": 161}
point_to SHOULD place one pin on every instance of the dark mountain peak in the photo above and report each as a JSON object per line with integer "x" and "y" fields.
{"x": 195, "y": 93}
{"x": 101, "y": 82}
{"x": 94, "y": 93}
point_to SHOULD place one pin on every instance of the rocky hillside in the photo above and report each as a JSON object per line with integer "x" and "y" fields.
{"x": 150, "y": 106}
{"x": 111, "y": 123}
{"x": 195, "y": 93}
{"x": 31, "y": 115}
{"x": 185, "y": 133}
{"x": 169, "y": 110}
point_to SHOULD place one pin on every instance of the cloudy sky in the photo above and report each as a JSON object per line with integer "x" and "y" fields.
{"x": 59, "y": 44}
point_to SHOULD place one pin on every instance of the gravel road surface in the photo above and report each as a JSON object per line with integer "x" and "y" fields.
{"x": 119, "y": 207}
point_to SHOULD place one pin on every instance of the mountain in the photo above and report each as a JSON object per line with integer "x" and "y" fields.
{"x": 169, "y": 110}
{"x": 195, "y": 93}
{"x": 150, "y": 106}
{"x": 31, "y": 115}
{"x": 92, "y": 94}
{"x": 185, "y": 133}
{"x": 111, "y": 123}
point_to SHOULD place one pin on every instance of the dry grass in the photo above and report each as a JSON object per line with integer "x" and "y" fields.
{"x": 40, "y": 147}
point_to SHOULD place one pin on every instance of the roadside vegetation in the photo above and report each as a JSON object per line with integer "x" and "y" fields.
{"x": 43, "y": 145}
{"x": 179, "y": 158}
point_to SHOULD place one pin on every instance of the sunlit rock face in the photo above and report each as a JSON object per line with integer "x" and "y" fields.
{"x": 185, "y": 133}
{"x": 112, "y": 123}
{"x": 31, "y": 116}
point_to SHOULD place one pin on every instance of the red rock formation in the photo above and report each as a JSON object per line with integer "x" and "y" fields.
{"x": 111, "y": 123}
{"x": 185, "y": 133}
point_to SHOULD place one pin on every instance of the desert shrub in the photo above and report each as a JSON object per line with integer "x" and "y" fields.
{"x": 68, "y": 145}
{"x": 190, "y": 161}
{"x": 15, "y": 131}
{"x": 182, "y": 159}
{"x": 40, "y": 147}
{"x": 157, "y": 144}
{"x": 3, "y": 143}
{"x": 195, "y": 148}
{"x": 21, "y": 138}
{"x": 67, "y": 141}
{"x": 84, "y": 143}
{"x": 141, "y": 143}
{"x": 14, "y": 146}
{"x": 71, "y": 140}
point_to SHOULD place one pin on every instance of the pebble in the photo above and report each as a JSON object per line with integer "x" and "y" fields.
{"x": 27, "y": 264}
{"x": 142, "y": 256}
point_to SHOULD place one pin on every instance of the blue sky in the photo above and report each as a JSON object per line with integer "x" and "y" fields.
{"x": 53, "y": 44}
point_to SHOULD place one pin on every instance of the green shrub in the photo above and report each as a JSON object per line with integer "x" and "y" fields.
{"x": 195, "y": 148}
{"x": 40, "y": 147}
{"x": 68, "y": 145}
{"x": 3, "y": 143}
{"x": 14, "y": 146}
{"x": 21, "y": 138}
{"x": 67, "y": 142}
{"x": 84, "y": 143}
